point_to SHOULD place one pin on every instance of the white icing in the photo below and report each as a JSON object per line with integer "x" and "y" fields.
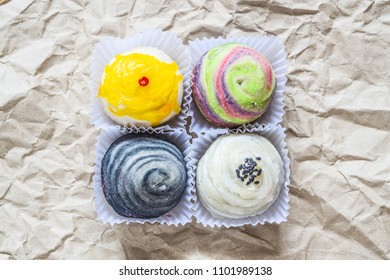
{"x": 159, "y": 54}
{"x": 218, "y": 186}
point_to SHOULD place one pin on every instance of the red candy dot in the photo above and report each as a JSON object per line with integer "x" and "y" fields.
{"x": 143, "y": 81}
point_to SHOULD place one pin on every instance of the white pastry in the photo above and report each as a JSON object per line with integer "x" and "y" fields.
{"x": 239, "y": 176}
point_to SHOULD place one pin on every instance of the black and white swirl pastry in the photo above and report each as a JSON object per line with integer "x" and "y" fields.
{"x": 143, "y": 177}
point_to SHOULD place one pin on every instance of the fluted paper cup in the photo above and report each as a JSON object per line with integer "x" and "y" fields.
{"x": 277, "y": 212}
{"x": 273, "y": 49}
{"x": 107, "y": 48}
{"x": 181, "y": 214}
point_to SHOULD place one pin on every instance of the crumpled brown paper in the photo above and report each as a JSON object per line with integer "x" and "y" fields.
{"x": 337, "y": 120}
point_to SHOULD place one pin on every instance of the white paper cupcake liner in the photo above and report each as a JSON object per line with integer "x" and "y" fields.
{"x": 181, "y": 214}
{"x": 277, "y": 212}
{"x": 273, "y": 49}
{"x": 107, "y": 48}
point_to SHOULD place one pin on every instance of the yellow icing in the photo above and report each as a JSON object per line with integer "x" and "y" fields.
{"x": 121, "y": 87}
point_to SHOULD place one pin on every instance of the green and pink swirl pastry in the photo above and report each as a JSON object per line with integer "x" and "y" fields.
{"x": 233, "y": 84}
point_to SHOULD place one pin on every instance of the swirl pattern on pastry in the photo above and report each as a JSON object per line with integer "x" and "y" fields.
{"x": 142, "y": 87}
{"x": 143, "y": 177}
{"x": 233, "y": 84}
{"x": 245, "y": 182}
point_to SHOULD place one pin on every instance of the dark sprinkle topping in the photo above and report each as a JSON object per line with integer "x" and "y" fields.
{"x": 249, "y": 171}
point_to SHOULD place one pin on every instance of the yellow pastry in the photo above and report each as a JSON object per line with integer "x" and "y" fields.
{"x": 142, "y": 87}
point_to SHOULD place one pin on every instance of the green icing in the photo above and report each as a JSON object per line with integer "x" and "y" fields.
{"x": 246, "y": 81}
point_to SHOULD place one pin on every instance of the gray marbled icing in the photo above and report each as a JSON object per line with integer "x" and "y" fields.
{"x": 143, "y": 177}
